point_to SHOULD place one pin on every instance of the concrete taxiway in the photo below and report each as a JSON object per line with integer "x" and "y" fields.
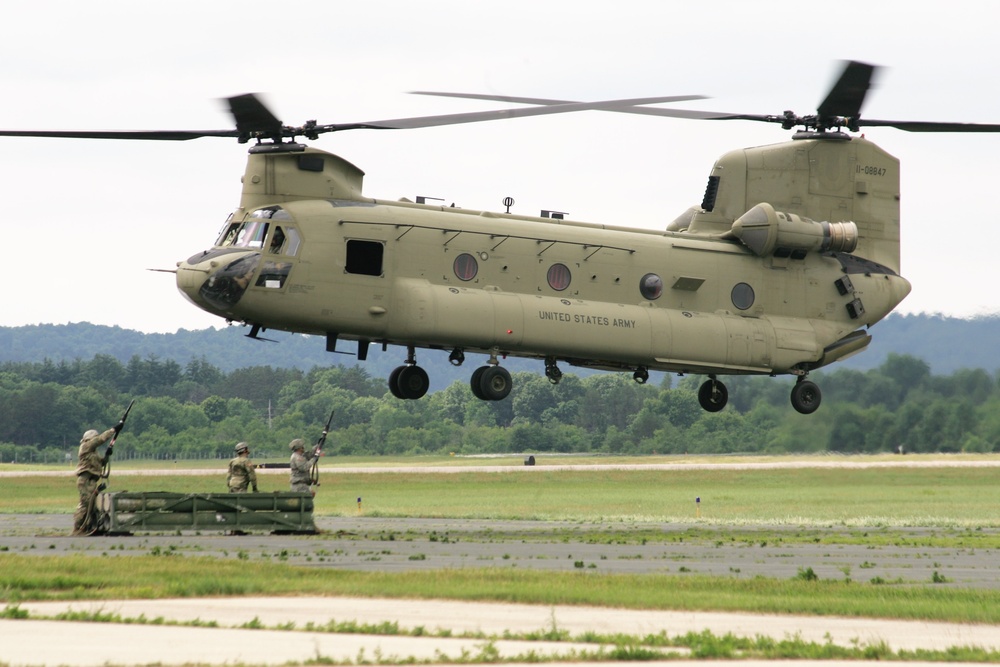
{"x": 448, "y": 631}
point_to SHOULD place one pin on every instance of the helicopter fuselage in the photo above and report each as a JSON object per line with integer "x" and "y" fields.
{"x": 747, "y": 283}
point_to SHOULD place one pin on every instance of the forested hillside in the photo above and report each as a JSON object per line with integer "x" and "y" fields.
{"x": 198, "y": 410}
{"x": 945, "y": 344}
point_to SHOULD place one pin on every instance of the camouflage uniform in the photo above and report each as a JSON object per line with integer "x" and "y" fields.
{"x": 88, "y": 474}
{"x": 300, "y": 466}
{"x": 241, "y": 471}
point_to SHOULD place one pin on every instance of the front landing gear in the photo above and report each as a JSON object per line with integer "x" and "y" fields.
{"x": 409, "y": 381}
{"x": 806, "y": 396}
{"x": 713, "y": 395}
{"x": 491, "y": 383}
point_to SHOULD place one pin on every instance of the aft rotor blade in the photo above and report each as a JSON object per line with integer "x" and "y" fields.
{"x": 848, "y": 94}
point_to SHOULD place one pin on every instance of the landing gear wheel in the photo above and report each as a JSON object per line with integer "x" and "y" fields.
{"x": 806, "y": 397}
{"x": 713, "y": 395}
{"x": 394, "y": 382}
{"x": 412, "y": 382}
{"x": 495, "y": 383}
{"x": 474, "y": 382}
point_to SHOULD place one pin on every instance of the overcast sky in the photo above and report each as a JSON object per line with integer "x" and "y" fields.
{"x": 84, "y": 220}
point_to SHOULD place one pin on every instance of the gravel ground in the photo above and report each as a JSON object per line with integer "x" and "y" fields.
{"x": 387, "y": 544}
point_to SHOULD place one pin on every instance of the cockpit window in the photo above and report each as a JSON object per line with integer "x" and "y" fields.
{"x": 228, "y": 233}
{"x": 292, "y": 241}
{"x": 284, "y": 241}
{"x": 251, "y": 234}
{"x": 271, "y": 213}
{"x": 252, "y": 231}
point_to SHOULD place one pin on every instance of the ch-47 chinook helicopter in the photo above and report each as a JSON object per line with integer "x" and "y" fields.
{"x": 792, "y": 253}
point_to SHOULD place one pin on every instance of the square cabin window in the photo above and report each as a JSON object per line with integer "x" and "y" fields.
{"x": 364, "y": 257}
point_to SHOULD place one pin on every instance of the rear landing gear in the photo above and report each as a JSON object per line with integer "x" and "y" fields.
{"x": 713, "y": 395}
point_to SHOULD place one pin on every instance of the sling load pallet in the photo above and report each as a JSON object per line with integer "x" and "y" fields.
{"x": 125, "y": 512}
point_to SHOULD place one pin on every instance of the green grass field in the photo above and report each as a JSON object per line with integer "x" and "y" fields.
{"x": 883, "y": 497}
{"x": 957, "y": 506}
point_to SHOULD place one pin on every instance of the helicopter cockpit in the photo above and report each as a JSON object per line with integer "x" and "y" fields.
{"x": 270, "y": 236}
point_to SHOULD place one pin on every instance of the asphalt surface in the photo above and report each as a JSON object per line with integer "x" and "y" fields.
{"x": 388, "y": 544}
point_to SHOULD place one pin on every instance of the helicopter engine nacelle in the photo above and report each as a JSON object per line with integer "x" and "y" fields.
{"x": 768, "y": 232}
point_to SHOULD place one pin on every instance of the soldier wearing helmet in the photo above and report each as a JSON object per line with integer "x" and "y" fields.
{"x": 241, "y": 471}
{"x": 88, "y": 473}
{"x": 300, "y": 465}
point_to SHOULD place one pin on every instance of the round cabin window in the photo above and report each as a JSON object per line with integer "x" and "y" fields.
{"x": 559, "y": 277}
{"x": 651, "y": 286}
{"x": 742, "y": 296}
{"x": 466, "y": 267}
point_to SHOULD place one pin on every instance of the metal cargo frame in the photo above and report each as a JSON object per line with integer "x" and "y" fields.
{"x": 161, "y": 511}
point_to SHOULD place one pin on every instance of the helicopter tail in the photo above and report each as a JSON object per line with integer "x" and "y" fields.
{"x": 833, "y": 180}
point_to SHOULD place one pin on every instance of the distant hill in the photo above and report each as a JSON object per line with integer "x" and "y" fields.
{"x": 227, "y": 349}
{"x": 945, "y": 343}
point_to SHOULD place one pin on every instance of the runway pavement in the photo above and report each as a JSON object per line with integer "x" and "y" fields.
{"x": 445, "y": 629}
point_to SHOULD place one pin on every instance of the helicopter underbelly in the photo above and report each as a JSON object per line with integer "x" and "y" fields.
{"x": 603, "y": 334}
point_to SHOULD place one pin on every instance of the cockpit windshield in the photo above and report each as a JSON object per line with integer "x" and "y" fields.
{"x": 251, "y": 232}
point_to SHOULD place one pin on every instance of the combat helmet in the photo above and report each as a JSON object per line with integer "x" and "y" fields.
{"x": 297, "y": 443}
{"x": 242, "y": 447}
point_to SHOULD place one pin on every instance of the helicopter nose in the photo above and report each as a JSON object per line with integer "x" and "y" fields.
{"x": 901, "y": 288}
{"x": 216, "y": 282}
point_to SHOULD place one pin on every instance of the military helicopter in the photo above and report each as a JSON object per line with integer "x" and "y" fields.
{"x": 792, "y": 254}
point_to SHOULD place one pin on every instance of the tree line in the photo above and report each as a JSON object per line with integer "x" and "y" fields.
{"x": 199, "y": 411}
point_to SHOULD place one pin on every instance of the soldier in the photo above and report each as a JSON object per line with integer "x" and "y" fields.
{"x": 88, "y": 474}
{"x": 301, "y": 465}
{"x": 241, "y": 471}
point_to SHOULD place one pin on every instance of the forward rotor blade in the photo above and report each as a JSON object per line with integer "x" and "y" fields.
{"x": 929, "y": 126}
{"x": 141, "y": 135}
{"x": 254, "y": 119}
{"x": 252, "y": 116}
